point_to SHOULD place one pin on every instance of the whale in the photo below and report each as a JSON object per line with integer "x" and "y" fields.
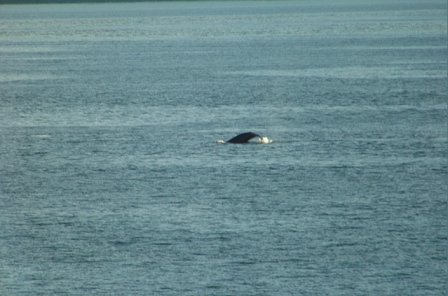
{"x": 243, "y": 138}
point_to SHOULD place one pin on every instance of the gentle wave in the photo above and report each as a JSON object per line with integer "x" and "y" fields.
{"x": 349, "y": 72}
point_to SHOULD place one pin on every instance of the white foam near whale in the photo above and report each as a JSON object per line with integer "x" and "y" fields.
{"x": 263, "y": 140}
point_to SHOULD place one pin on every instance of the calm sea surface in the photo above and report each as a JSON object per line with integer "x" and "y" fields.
{"x": 112, "y": 182}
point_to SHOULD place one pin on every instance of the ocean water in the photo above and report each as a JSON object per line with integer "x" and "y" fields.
{"x": 112, "y": 181}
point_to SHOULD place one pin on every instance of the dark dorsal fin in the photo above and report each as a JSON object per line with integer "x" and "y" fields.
{"x": 243, "y": 138}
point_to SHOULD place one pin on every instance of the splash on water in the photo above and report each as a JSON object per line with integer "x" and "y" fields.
{"x": 262, "y": 140}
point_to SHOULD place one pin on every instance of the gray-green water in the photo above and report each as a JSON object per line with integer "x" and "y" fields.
{"x": 111, "y": 180}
